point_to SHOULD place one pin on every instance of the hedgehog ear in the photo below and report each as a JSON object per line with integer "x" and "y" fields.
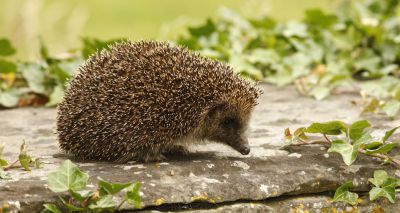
{"x": 213, "y": 110}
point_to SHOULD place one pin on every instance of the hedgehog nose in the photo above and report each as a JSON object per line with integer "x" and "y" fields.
{"x": 245, "y": 151}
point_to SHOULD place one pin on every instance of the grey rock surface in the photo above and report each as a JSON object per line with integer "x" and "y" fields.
{"x": 273, "y": 178}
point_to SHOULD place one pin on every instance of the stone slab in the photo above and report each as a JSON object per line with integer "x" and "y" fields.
{"x": 212, "y": 175}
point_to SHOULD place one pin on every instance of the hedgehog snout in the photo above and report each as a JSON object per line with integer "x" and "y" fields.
{"x": 245, "y": 150}
{"x": 242, "y": 146}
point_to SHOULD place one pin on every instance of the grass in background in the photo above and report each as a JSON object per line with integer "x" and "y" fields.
{"x": 61, "y": 23}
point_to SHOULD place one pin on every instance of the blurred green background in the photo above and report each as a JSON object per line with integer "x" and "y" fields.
{"x": 61, "y": 23}
{"x": 317, "y": 45}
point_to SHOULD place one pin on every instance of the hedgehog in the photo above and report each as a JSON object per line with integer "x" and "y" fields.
{"x": 144, "y": 100}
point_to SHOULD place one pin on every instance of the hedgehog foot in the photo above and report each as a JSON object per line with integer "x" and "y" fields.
{"x": 144, "y": 157}
{"x": 151, "y": 157}
{"x": 124, "y": 159}
{"x": 177, "y": 150}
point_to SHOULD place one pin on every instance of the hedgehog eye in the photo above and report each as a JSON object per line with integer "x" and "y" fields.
{"x": 228, "y": 122}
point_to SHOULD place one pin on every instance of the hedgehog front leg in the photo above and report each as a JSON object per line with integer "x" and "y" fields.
{"x": 151, "y": 158}
{"x": 176, "y": 150}
{"x": 150, "y": 155}
{"x": 144, "y": 155}
{"x": 124, "y": 159}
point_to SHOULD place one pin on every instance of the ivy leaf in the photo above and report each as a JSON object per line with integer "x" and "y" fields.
{"x": 7, "y": 66}
{"x": 376, "y": 192}
{"x": 329, "y": 128}
{"x": 382, "y": 149}
{"x": 372, "y": 106}
{"x": 264, "y": 56}
{"x": 67, "y": 177}
{"x": 295, "y": 28}
{"x": 320, "y": 92}
{"x": 61, "y": 75}
{"x": 78, "y": 196}
{"x": 3, "y": 162}
{"x": 6, "y": 48}
{"x": 343, "y": 194}
{"x": 380, "y": 176}
{"x": 44, "y": 51}
{"x": 318, "y": 17}
{"x": 104, "y": 202}
{"x": 373, "y": 145}
{"x": 207, "y": 29}
{"x": 35, "y": 77}
{"x": 347, "y": 151}
{"x": 9, "y": 98}
{"x": 50, "y": 208}
{"x": 93, "y": 45}
{"x": 387, "y": 189}
{"x": 365, "y": 140}
{"x": 368, "y": 60}
{"x": 288, "y": 135}
{"x": 133, "y": 196}
{"x": 356, "y": 129}
{"x": 37, "y": 163}
{"x": 299, "y": 133}
{"x": 282, "y": 79}
{"x": 265, "y": 22}
{"x": 245, "y": 68}
{"x": 397, "y": 94}
{"x": 391, "y": 108}
{"x": 4, "y": 175}
{"x": 56, "y": 96}
{"x": 389, "y": 133}
{"x": 111, "y": 188}
{"x": 24, "y": 158}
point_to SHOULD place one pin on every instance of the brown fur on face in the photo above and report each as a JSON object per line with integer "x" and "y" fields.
{"x": 227, "y": 124}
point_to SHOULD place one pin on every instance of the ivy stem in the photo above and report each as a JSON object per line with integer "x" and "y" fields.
{"x": 9, "y": 166}
{"x": 85, "y": 202}
{"x": 119, "y": 206}
{"x": 302, "y": 143}
{"x": 70, "y": 203}
{"x": 327, "y": 139}
{"x": 301, "y": 140}
{"x": 393, "y": 161}
{"x": 301, "y": 87}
